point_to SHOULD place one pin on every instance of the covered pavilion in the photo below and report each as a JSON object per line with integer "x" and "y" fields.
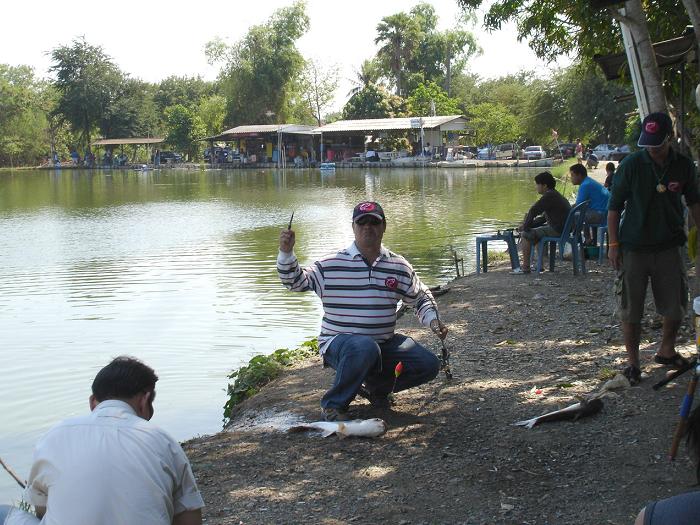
{"x": 345, "y": 139}
{"x": 109, "y": 144}
{"x": 262, "y": 143}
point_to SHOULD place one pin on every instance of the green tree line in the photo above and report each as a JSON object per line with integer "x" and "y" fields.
{"x": 417, "y": 70}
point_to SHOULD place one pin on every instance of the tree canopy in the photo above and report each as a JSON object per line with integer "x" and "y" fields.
{"x": 260, "y": 70}
{"x": 87, "y": 81}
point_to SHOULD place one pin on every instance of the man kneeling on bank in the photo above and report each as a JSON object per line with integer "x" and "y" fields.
{"x": 111, "y": 467}
{"x": 360, "y": 287}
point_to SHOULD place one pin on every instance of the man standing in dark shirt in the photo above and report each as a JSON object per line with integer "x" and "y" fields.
{"x": 546, "y": 218}
{"x": 646, "y": 244}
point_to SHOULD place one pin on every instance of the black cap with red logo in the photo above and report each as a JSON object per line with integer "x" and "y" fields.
{"x": 655, "y": 128}
{"x": 368, "y": 208}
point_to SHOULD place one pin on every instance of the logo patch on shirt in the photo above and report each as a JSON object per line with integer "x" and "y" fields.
{"x": 391, "y": 282}
{"x": 675, "y": 186}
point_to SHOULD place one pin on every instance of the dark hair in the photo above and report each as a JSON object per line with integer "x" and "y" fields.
{"x": 547, "y": 179}
{"x": 123, "y": 378}
{"x": 579, "y": 169}
{"x": 610, "y": 166}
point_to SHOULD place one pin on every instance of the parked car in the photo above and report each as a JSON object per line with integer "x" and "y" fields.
{"x": 461, "y": 152}
{"x": 508, "y": 150}
{"x": 534, "y": 152}
{"x": 603, "y": 151}
{"x": 170, "y": 157}
{"x": 620, "y": 152}
{"x": 486, "y": 153}
{"x": 567, "y": 149}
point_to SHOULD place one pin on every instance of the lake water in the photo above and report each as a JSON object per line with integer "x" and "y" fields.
{"x": 178, "y": 269}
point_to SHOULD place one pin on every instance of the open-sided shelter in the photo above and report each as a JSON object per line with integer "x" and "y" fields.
{"x": 264, "y": 142}
{"x": 343, "y": 139}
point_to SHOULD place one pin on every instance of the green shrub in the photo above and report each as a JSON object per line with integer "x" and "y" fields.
{"x": 262, "y": 369}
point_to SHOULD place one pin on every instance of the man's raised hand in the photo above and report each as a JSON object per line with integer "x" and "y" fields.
{"x": 287, "y": 240}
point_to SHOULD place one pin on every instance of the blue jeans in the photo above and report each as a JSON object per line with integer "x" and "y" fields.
{"x": 5, "y": 512}
{"x": 359, "y": 359}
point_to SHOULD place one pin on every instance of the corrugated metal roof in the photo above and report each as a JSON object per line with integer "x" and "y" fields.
{"x": 135, "y": 140}
{"x": 240, "y": 131}
{"x": 389, "y": 124}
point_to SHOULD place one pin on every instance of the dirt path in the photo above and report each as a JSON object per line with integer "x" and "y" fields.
{"x": 451, "y": 454}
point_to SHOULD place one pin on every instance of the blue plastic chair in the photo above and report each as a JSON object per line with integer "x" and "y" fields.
{"x": 602, "y": 236}
{"x": 571, "y": 234}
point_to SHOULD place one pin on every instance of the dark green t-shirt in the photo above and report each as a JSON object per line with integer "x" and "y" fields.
{"x": 653, "y": 221}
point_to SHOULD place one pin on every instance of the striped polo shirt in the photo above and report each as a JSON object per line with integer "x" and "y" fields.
{"x": 359, "y": 298}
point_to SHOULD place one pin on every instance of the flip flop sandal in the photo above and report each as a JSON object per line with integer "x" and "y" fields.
{"x": 677, "y": 361}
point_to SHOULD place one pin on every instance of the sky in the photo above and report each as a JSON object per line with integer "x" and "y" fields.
{"x": 154, "y": 39}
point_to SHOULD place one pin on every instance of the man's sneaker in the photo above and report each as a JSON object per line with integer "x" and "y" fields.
{"x": 335, "y": 414}
{"x": 520, "y": 271}
{"x": 376, "y": 400}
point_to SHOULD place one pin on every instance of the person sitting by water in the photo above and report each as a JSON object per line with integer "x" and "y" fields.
{"x": 112, "y": 466}
{"x": 683, "y": 509}
{"x": 594, "y": 192}
{"x": 360, "y": 287}
{"x": 546, "y": 218}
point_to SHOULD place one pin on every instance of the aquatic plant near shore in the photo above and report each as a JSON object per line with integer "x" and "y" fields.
{"x": 262, "y": 369}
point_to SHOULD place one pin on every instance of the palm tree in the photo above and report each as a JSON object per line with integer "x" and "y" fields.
{"x": 399, "y": 36}
{"x": 369, "y": 73}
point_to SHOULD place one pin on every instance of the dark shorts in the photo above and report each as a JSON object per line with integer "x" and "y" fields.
{"x": 596, "y": 217}
{"x": 669, "y": 284}
{"x": 535, "y": 234}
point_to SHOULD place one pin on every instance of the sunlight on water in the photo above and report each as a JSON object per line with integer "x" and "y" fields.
{"x": 178, "y": 268}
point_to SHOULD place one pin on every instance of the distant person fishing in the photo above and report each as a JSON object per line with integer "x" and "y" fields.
{"x": 360, "y": 287}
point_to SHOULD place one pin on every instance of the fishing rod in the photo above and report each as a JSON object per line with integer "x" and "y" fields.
{"x": 13, "y": 474}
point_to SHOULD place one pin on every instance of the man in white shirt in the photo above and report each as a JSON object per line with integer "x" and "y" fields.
{"x": 111, "y": 467}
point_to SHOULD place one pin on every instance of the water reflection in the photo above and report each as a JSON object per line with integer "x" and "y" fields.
{"x": 178, "y": 268}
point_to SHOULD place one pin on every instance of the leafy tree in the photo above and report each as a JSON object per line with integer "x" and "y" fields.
{"x": 427, "y": 97}
{"x": 186, "y": 91}
{"x": 493, "y": 123}
{"x": 319, "y": 85}
{"x": 86, "y": 79}
{"x": 556, "y": 27}
{"x": 185, "y": 130}
{"x": 399, "y": 36}
{"x": 22, "y": 121}
{"x": 260, "y": 70}
{"x": 129, "y": 111}
{"x": 369, "y": 73}
{"x": 414, "y": 52}
{"x": 374, "y": 102}
{"x": 578, "y": 102}
{"x": 212, "y": 111}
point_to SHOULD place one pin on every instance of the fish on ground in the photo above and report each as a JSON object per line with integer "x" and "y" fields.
{"x": 358, "y": 428}
{"x": 576, "y": 411}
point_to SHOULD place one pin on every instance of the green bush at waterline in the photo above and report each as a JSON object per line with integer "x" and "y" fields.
{"x": 262, "y": 369}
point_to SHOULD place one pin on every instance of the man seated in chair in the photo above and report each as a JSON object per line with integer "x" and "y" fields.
{"x": 594, "y": 192}
{"x": 546, "y": 218}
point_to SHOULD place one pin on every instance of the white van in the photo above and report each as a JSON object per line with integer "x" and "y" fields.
{"x": 506, "y": 151}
